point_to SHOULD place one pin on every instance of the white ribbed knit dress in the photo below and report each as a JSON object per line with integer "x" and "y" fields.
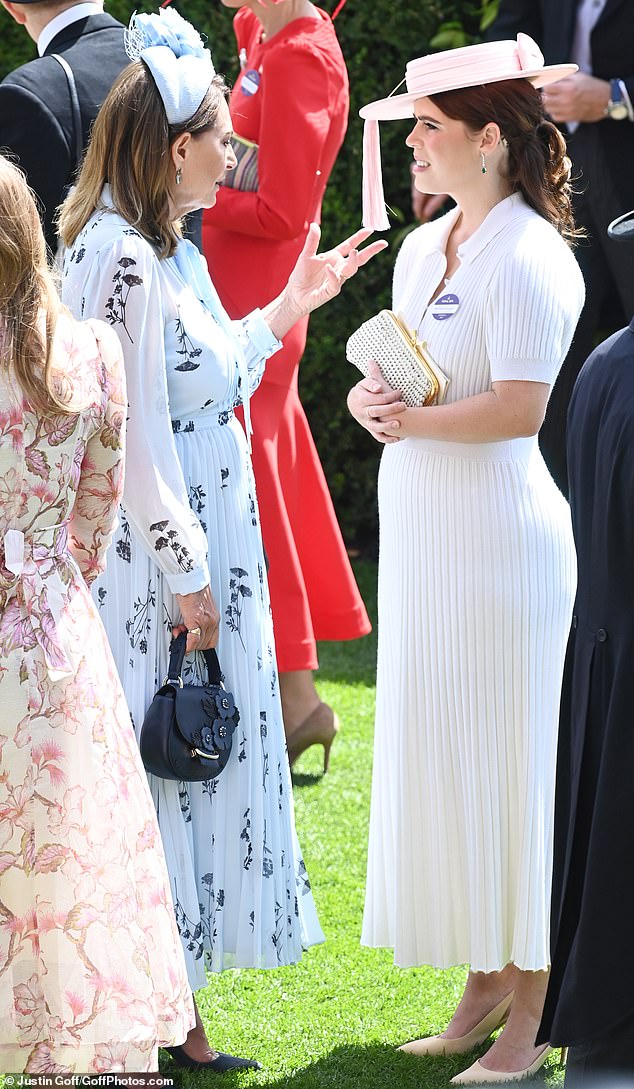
{"x": 476, "y": 579}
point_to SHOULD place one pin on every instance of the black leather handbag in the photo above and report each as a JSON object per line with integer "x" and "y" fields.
{"x": 188, "y": 729}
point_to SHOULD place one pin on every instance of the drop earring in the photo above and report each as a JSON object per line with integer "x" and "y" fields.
{"x": 484, "y": 162}
{"x": 179, "y": 175}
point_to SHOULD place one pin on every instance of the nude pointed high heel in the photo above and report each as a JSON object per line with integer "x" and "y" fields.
{"x": 320, "y": 728}
{"x": 458, "y": 1045}
{"x": 477, "y": 1074}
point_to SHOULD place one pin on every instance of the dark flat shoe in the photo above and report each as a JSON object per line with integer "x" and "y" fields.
{"x": 220, "y": 1064}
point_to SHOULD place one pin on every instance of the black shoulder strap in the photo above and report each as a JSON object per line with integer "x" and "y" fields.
{"x": 74, "y": 105}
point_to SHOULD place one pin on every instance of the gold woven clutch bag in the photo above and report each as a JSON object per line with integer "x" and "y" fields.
{"x": 404, "y": 361}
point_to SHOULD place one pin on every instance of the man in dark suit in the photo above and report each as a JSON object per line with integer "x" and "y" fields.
{"x": 590, "y": 1001}
{"x": 36, "y": 115}
{"x": 595, "y": 106}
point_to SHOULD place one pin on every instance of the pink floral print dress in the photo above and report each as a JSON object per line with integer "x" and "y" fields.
{"x": 92, "y": 976}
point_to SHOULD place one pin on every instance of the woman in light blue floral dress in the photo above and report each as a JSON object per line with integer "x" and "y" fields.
{"x": 189, "y": 543}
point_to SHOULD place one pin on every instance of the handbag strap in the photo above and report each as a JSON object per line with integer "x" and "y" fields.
{"x": 177, "y": 657}
{"x": 74, "y": 105}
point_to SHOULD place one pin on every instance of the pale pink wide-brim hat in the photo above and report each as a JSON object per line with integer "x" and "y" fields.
{"x": 451, "y": 70}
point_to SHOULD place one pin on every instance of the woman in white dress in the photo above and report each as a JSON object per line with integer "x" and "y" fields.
{"x": 188, "y": 554}
{"x": 476, "y": 569}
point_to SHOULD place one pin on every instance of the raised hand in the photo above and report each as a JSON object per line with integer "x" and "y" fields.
{"x": 318, "y": 277}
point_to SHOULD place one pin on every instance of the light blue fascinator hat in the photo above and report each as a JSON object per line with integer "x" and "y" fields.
{"x": 174, "y": 52}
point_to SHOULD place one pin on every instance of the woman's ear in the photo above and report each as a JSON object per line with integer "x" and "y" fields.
{"x": 180, "y": 149}
{"x": 491, "y": 137}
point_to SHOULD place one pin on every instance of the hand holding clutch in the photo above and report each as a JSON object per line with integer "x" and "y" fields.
{"x": 404, "y": 361}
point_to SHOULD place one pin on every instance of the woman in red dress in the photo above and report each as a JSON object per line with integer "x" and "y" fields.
{"x": 289, "y": 109}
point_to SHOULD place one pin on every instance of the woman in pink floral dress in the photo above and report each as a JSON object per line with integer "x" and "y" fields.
{"x": 92, "y": 977}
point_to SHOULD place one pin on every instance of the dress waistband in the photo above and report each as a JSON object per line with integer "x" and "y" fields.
{"x": 29, "y": 570}
{"x": 519, "y": 450}
{"x": 204, "y": 422}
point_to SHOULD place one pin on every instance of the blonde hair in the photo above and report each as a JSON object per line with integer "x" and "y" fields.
{"x": 129, "y": 149}
{"x": 29, "y": 303}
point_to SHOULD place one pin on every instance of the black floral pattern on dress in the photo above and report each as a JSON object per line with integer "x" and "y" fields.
{"x": 267, "y": 857}
{"x": 168, "y": 538}
{"x": 276, "y": 937}
{"x": 302, "y": 878}
{"x": 209, "y": 786}
{"x": 197, "y": 498}
{"x": 183, "y": 797}
{"x": 281, "y": 793}
{"x": 76, "y": 256}
{"x": 224, "y": 417}
{"x": 190, "y": 932}
{"x": 224, "y": 476}
{"x": 139, "y": 625}
{"x": 245, "y": 836}
{"x": 123, "y": 544}
{"x": 265, "y": 751}
{"x": 186, "y": 348}
{"x": 210, "y": 910}
{"x": 123, "y": 282}
{"x": 239, "y": 590}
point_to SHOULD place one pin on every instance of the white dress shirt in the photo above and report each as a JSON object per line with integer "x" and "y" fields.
{"x": 64, "y": 19}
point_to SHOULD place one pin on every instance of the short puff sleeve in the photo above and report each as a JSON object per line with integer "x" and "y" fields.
{"x": 532, "y": 308}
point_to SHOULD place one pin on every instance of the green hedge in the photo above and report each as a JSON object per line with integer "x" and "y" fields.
{"x": 377, "y": 39}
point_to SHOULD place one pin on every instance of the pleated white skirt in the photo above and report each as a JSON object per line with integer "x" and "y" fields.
{"x": 240, "y": 888}
{"x": 476, "y": 581}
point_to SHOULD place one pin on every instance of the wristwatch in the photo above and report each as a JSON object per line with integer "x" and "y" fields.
{"x": 616, "y": 108}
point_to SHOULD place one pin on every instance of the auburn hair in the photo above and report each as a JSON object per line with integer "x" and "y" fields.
{"x": 538, "y": 166}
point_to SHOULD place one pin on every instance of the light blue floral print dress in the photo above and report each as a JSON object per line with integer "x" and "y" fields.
{"x": 240, "y": 887}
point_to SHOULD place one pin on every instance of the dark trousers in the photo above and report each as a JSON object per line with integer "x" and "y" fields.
{"x": 605, "y": 1063}
{"x": 608, "y": 271}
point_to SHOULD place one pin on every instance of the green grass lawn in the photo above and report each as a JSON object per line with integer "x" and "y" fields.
{"x": 334, "y": 1019}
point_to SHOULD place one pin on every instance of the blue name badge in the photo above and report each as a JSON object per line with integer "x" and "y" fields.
{"x": 250, "y": 84}
{"x": 445, "y": 307}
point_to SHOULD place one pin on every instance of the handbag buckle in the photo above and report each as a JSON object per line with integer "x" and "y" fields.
{"x": 206, "y": 755}
{"x": 174, "y": 680}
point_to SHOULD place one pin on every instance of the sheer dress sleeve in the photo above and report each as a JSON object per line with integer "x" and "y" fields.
{"x": 123, "y": 287}
{"x": 94, "y": 515}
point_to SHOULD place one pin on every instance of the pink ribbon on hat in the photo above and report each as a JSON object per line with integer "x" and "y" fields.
{"x": 529, "y": 54}
{"x": 373, "y": 199}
